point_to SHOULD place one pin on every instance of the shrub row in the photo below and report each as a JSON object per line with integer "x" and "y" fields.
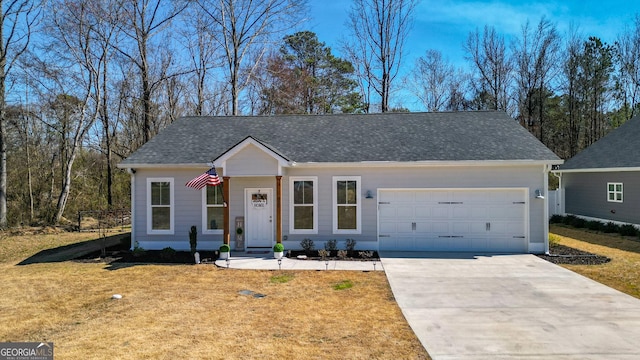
{"x": 606, "y": 227}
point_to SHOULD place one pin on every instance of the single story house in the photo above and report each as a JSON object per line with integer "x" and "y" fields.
{"x": 602, "y": 182}
{"x": 456, "y": 181}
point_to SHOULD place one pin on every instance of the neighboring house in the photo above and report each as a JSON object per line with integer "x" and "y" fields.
{"x": 459, "y": 181}
{"x": 603, "y": 181}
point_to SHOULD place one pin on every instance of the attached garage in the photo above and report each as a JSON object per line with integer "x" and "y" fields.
{"x": 479, "y": 220}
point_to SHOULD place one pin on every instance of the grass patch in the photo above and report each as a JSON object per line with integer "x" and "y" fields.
{"x": 621, "y": 273}
{"x": 281, "y": 279}
{"x": 179, "y": 311}
{"x": 342, "y": 285}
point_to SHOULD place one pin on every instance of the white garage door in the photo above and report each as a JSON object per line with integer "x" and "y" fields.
{"x": 480, "y": 220}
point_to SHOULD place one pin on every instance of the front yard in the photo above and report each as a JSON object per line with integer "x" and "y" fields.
{"x": 187, "y": 311}
{"x": 621, "y": 273}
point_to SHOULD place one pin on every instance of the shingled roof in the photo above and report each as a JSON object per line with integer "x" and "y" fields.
{"x": 618, "y": 149}
{"x": 401, "y": 137}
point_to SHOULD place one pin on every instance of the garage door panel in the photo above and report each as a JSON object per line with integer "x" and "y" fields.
{"x": 422, "y": 212}
{"x": 440, "y": 212}
{"x": 454, "y": 220}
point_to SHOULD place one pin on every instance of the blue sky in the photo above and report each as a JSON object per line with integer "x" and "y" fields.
{"x": 445, "y": 24}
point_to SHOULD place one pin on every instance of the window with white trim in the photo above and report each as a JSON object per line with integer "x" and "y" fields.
{"x": 347, "y": 217}
{"x": 614, "y": 192}
{"x": 303, "y": 205}
{"x": 160, "y": 206}
{"x": 213, "y": 212}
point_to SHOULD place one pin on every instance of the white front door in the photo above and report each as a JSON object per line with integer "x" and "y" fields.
{"x": 259, "y": 217}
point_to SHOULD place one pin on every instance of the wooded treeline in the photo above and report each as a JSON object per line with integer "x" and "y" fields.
{"x": 85, "y": 83}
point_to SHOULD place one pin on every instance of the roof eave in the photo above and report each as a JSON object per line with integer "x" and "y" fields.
{"x": 592, "y": 170}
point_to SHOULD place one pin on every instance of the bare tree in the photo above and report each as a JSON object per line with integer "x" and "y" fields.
{"x": 431, "y": 80}
{"x": 142, "y": 21}
{"x": 246, "y": 27}
{"x": 74, "y": 27}
{"x": 17, "y": 17}
{"x": 535, "y": 55}
{"x": 204, "y": 53}
{"x": 628, "y": 56}
{"x": 488, "y": 56}
{"x": 378, "y": 29}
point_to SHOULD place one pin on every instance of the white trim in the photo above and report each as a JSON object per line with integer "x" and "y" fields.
{"x": 358, "y": 204}
{"x": 172, "y": 215}
{"x": 292, "y": 230}
{"x": 133, "y": 208}
{"x": 205, "y": 206}
{"x": 615, "y": 192}
{"x": 613, "y": 169}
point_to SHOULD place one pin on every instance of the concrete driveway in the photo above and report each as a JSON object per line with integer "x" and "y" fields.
{"x": 465, "y": 306}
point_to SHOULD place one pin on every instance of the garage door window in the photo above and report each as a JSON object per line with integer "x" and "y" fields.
{"x": 346, "y": 200}
{"x": 303, "y": 205}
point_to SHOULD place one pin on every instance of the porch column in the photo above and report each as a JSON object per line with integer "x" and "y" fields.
{"x": 225, "y": 194}
{"x": 279, "y": 209}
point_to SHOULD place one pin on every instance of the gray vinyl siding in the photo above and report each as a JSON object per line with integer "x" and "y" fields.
{"x": 251, "y": 161}
{"x": 188, "y": 202}
{"x": 531, "y": 177}
{"x": 586, "y": 194}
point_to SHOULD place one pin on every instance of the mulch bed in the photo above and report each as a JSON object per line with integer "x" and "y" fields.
{"x": 354, "y": 255}
{"x": 560, "y": 254}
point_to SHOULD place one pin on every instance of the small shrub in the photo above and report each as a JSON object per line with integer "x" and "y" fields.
{"x": 365, "y": 254}
{"x": 556, "y": 219}
{"x": 167, "y": 253}
{"x": 323, "y": 253}
{"x": 342, "y": 254}
{"x": 278, "y": 247}
{"x": 569, "y": 219}
{"x": 578, "y": 222}
{"x": 350, "y": 244}
{"x": 307, "y": 245}
{"x": 224, "y": 248}
{"x": 193, "y": 239}
{"x": 628, "y": 230}
{"x": 610, "y": 227}
{"x": 594, "y": 225}
{"x": 331, "y": 245}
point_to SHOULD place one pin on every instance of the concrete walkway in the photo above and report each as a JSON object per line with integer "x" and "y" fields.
{"x": 240, "y": 260}
{"x": 463, "y": 306}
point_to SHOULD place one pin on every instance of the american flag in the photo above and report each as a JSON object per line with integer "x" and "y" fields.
{"x": 210, "y": 178}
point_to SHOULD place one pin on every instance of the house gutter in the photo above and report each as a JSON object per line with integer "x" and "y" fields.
{"x": 132, "y": 172}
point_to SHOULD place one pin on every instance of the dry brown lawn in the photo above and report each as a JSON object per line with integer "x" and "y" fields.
{"x": 187, "y": 311}
{"x": 621, "y": 273}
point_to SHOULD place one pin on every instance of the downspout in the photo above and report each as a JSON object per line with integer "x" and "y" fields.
{"x": 132, "y": 172}
{"x": 546, "y": 169}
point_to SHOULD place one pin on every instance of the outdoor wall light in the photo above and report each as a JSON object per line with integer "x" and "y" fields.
{"x": 369, "y": 195}
{"x": 539, "y": 194}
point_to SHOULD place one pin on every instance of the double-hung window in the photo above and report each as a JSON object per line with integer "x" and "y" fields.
{"x": 347, "y": 217}
{"x": 303, "y": 209}
{"x": 160, "y": 206}
{"x": 614, "y": 192}
{"x": 213, "y": 212}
